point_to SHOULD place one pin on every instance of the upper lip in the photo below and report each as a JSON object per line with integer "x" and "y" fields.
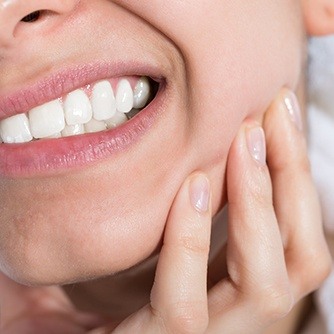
{"x": 60, "y": 83}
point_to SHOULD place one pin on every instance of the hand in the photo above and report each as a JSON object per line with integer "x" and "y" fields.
{"x": 275, "y": 254}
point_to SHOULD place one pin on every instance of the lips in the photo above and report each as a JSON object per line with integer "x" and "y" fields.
{"x": 49, "y": 156}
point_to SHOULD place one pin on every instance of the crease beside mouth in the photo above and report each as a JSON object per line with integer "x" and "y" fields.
{"x": 98, "y": 107}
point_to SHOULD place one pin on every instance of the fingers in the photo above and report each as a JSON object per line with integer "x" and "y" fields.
{"x": 179, "y": 293}
{"x": 258, "y": 280}
{"x": 252, "y": 222}
{"x": 295, "y": 198}
{"x": 276, "y": 252}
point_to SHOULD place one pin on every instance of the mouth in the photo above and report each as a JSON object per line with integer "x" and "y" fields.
{"x": 80, "y": 127}
{"x": 96, "y": 107}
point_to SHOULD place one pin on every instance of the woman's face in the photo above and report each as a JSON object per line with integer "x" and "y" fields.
{"x": 80, "y": 207}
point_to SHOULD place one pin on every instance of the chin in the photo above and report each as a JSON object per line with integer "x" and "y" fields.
{"x": 41, "y": 269}
{"x": 45, "y": 245}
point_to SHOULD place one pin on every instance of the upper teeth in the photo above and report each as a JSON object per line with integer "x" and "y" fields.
{"x": 77, "y": 113}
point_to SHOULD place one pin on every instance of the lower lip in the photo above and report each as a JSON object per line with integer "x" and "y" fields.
{"x": 53, "y": 156}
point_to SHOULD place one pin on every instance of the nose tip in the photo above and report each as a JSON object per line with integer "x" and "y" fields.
{"x": 16, "y": 12}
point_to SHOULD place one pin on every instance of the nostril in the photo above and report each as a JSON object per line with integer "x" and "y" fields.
{"x": 23, "y": 19}
{"x": 32, "y": 17}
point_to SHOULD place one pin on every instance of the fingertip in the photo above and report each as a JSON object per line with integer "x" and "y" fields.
{"x": 248, "y": 179}
{"x": 293, "y": 108}
{"x": 200, "y": 192}
{"x": 285, "y": 110}
{"x": 248, "y": 153}
{"x": 256, "y": 144}
{"x": 283, "y": 124}
{"x": 190, "y": 213}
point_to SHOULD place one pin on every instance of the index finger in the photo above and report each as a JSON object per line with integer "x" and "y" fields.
{"x": 179, "y": 294}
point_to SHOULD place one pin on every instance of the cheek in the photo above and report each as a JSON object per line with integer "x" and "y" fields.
{"x": 237, "y": 75}
{"x": 244, "y": 48}
{"x": 94, "y": 222}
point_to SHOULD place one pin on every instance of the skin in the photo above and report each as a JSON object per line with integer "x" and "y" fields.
{"x": 48, "y": 234}
{"x": 211, "y": 107}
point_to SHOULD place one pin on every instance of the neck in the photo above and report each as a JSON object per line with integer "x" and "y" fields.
{"x": 119, "y": 295}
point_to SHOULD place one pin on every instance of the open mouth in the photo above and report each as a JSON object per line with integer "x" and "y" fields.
{"x": 97, "y": 107}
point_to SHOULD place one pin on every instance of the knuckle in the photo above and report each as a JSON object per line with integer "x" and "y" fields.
{"x": 300, "y": 162}
{"x": 193, "y": 246}
{"x": 259, "y": 194}
{"x": 255, "y": 190}
{"x": 262, "y": 200}
{"x": 183, "y": 318}
{"x": 277, "y": 302}
{"x": 325, "y": 268}
{"x": 318, "y": 268}
{"x": 194, "y": 243}
{"x": 305, "y": 165}
{"x": 189, "y": 319}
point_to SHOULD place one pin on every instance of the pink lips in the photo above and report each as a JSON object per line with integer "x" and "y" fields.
{"x": 56, "y": 155}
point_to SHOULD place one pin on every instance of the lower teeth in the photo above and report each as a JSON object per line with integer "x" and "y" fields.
{"x": 94, "y": 126}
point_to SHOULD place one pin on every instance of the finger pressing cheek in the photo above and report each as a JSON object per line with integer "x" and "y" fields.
{"x": 258, "y": 278}
{"x": 179, "y": 294}
{"x": 295, "y": 198}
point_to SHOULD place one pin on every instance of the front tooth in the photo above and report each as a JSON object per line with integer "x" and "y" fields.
{"x": 95, "y": 126}
{"x": 141, "y": 93}
{"x": 47, "y": 120}
{"x": 103, "y": 101}
{"x": 73, "y": 130}
{"x": 15, "y": 129}
{"x": 124, "y": 96}
{"x": 56, "y": 135}
{"x": 77, "y": 107}
{"x": 118, "y": 119}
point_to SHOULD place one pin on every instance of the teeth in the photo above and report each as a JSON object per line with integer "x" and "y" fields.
{"x": 124, "y": 97}
{"x": 77, "y": 107}
{"x": 47, "y": 120}
{"x": 95, "y": 126}
{"x": 103, "y": 101}
{"x": 141, "y": 93}
{"x": 118, "y": 119}
{"x": 77, "y": 114}
{"x": 15, "y": 129}
{"x": 73, "y": 130}
{"x": 56, "y": 135}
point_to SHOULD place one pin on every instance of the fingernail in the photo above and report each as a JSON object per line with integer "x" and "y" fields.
{"x": 294, "y": 110}
{"x": 256, "y": 144}
{"x": 200, "y": 193}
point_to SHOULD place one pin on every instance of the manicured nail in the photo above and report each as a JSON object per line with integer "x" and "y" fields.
{"x": 200, "y": 193}
{"x": 257, "y": 144}
{"x": 294, "y": 110}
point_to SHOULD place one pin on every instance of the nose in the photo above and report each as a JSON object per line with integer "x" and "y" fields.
{"x": 23, "y": 14}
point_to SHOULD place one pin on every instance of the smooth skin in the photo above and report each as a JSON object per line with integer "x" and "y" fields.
{"x": 275, "y": 253}
{"x": 273, "y": 209}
